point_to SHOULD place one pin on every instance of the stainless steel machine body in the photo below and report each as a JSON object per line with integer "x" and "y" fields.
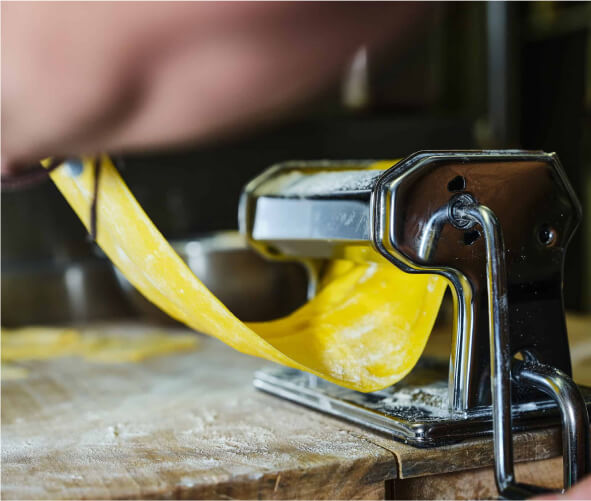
{"x": 496, "y": 225}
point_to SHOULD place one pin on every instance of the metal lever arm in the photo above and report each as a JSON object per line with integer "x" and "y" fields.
{"x": 554, "y": 382}
{"x": 575, "y": 420}
{"x": 500, "y": 357}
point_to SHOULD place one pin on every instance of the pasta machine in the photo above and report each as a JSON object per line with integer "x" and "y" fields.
{"x": 496, "y": 225}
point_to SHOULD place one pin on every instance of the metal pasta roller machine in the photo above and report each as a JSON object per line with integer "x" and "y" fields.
{"x": 496, "y": 225}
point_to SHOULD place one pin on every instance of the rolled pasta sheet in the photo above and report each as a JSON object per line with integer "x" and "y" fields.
{"x": 365, "y": 330}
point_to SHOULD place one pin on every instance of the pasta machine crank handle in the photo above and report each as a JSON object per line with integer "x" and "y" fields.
{"x": 531, "y": 373}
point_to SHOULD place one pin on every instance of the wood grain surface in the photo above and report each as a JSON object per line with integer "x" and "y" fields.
{"x": 477, "y": 483}
{"x": 190, "y": 425}
{"x": 186, "y": 425}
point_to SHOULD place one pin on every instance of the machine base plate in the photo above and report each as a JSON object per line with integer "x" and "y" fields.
{"x": 414, "y": 410}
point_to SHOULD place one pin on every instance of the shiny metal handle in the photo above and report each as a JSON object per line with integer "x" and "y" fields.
{"x": 499, "y": 341}
{"x": 575, "y": 419}
{"x": 551, "y": 381}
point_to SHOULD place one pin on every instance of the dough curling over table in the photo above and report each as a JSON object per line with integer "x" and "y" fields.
{"x": 365, "y": 329}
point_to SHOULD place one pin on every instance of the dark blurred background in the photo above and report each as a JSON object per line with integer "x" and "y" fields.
{"x": 475, "y": 75}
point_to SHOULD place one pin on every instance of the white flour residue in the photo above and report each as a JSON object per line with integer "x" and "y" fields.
{"x": 191, "y": 422}
{"x": 432, "y": 283}
{"x": 300, "y": 184}
{"x": 364, "y": 325}
{"x": 432, "y": 398}
{"x": 528, "y": 406}
{"x": 370, "y": 272}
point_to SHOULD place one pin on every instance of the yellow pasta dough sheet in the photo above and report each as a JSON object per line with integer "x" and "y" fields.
{"x": 365, "y": 329}
{"x": 99, "y": 345}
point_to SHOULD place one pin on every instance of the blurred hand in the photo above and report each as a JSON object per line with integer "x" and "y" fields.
{"x": 580, "y": 491}
{"x": 83, "y": 77}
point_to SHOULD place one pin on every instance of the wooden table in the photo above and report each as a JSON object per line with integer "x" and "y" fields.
{"x": 190, "y": 425}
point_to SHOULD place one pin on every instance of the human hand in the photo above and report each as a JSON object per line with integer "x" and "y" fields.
{"x": 86, "y": 77}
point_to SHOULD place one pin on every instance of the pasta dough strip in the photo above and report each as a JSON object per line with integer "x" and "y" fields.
{"x": 365, "y": 330}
